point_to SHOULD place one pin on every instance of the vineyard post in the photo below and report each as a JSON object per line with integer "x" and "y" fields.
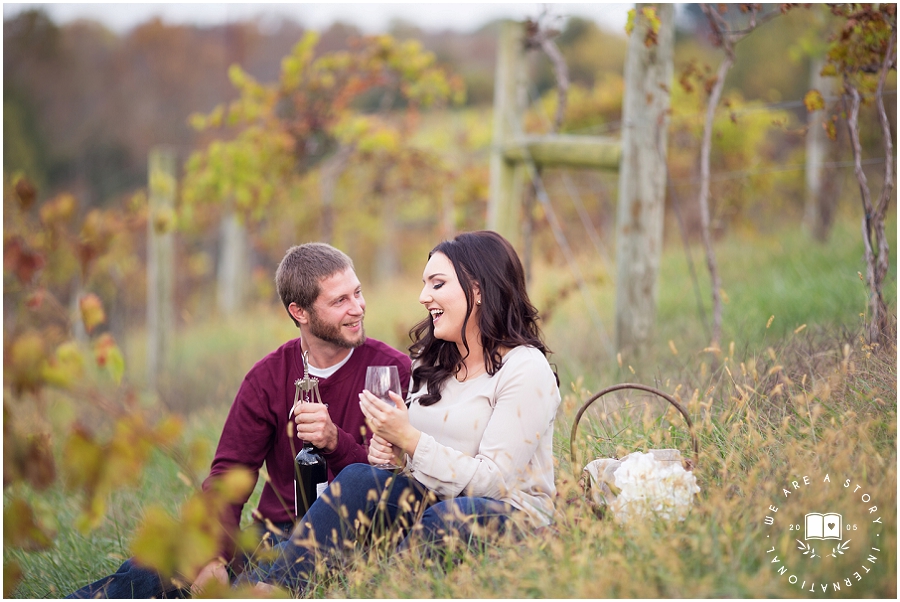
{"x": 818, "y": 206}
{"x": 511, "y": 150}
{"x": 505, "y": 207}
{"x": 160, "y": 263}
{"x": 642, "y": 178}
{"x": 233, "y": 272}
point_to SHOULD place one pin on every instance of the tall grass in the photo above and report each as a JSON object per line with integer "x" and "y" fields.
{"x": 785, "y": 400}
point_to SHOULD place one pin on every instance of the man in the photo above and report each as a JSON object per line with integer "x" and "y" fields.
{"x": 322, "y": 294}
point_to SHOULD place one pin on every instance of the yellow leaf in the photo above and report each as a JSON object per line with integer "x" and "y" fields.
{"x": 168, "y": 430}
{"x": 58, "y": 210}
{"x": 21, "y": 529}
{"x": 82, "y": 460}
{"x": 12, "y": 575}
{"x": 92, "y": 313}
{"x": 629, "y": 23}
{"x": 24, "y": 361}
{"x": 156, "y": 541}
{"x": 236, "y": 484}
{"x": 814, "y": 101}
{"x": 65, "y": 367}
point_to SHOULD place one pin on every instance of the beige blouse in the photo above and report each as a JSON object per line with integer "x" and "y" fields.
{"x": 492, "y": 436}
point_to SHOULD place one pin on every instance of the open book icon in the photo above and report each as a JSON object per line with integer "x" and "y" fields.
{"x": 823, "y": 526}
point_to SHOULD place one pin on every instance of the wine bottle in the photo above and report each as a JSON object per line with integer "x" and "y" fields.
{"x": 311, "y": 479}
{"x": 310, "y": 468}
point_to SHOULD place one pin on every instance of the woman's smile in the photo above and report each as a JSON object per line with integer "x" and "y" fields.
{"x": 444, "y": 298}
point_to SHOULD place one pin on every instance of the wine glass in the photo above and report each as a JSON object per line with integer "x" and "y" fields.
{"x": 381, "y": 380}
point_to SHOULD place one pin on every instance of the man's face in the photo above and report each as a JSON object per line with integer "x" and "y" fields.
{"x": 337, "y": 315}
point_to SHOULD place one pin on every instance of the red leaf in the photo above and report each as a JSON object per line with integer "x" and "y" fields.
{"x": 26, "y": 193}
{"x": 20, "y": 260}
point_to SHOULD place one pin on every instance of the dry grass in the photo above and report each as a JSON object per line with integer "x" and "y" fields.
{"x": 816, "y": 406}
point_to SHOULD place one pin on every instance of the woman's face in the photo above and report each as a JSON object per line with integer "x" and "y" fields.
{"x": 444, "y": 298}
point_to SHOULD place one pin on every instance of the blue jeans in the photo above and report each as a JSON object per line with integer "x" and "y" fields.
{"x": 132, "y": 580}
{"x": 363, "y": 501}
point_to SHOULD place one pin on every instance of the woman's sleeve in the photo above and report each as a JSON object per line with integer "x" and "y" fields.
{"x": 526, "y": 401}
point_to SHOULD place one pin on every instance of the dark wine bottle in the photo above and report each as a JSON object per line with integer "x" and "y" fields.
{"x": 310, "y": 480}
{"x": 310, "y": 469}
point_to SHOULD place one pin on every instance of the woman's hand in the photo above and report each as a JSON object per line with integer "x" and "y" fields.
{"x": 381, "y": 452}
{"x": 390, "y": 422}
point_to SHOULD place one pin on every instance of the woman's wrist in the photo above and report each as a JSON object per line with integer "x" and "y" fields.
{"x": 411, "y": 441}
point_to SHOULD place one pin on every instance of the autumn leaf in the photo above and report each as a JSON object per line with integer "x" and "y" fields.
{"x": 156, "y": 542}
{"x": 814, "y": 101}
{"x": 109, "y": 356}
{"x": 65, "y": 367}
{"x": 94, "y": 238}
{"x": 235, "y": 484}
{"x": 24, "y": 361}
{"x": 629, "y": 24}
{"x": 179, "y": 547}
{"x": 35, "y": 299}
{"x": 59, "y": 210}
{"x": 20, "y": 260}
{"x": 82, "y": 460}
{"x": 167, "y": 431}
{"x": 21, "y": 529}
{"x": 653, "y": 25}
{"x": 34, "y": 457}
{"x": 92, "y": 313}
{"x": 84, "y": 463}
{"x": 26, "y": 458}
{"x": 12, "y": 575}
{"x": 25, "y": 192}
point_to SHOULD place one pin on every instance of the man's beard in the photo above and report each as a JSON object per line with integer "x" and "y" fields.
{"x": 331, "y": 333}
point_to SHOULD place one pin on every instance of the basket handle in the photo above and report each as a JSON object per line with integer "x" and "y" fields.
{"x": 638, "y": 387}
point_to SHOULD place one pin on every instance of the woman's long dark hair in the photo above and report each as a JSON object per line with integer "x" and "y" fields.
{"x": 507, "y": 318}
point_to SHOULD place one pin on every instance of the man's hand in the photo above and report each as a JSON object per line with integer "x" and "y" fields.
{"x": 314, "y": 425}
{"x": 214, "y": 570}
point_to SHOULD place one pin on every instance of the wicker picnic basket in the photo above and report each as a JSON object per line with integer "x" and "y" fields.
{"x": 597, "y": 476}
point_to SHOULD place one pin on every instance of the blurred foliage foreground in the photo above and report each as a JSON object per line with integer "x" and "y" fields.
{"x": 95, "y": 472}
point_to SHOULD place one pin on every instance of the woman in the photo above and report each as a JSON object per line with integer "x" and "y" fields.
{"x": 477, "y": 438}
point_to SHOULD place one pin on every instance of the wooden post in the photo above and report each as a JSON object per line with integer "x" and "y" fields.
{"x": 642, "y": 181}
{"x": 160, "y": 263}
{"x": 232, "y": 273}
{"x": 817, "y": 210}
{"x": 505, "y": 206}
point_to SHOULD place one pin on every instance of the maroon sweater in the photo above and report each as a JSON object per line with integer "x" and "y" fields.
{"x": 256, "y": 430}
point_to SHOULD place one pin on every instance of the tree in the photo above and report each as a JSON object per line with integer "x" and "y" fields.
{"x": 293, "y": 139}
{"x": 52, "y": 259}
{"x": 862, "y": 55}
{"x": 724, "y": 36}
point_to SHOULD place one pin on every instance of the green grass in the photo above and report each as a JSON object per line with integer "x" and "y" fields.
{"x": 757, "y": 423}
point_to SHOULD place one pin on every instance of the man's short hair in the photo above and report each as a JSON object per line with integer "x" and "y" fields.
{"x": 303, "y": 268}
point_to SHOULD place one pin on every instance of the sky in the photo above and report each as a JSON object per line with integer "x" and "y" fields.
{"x": 370, "y": 17}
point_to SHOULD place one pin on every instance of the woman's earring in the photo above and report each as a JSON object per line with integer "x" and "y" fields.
{"x": 478, "y": 302}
